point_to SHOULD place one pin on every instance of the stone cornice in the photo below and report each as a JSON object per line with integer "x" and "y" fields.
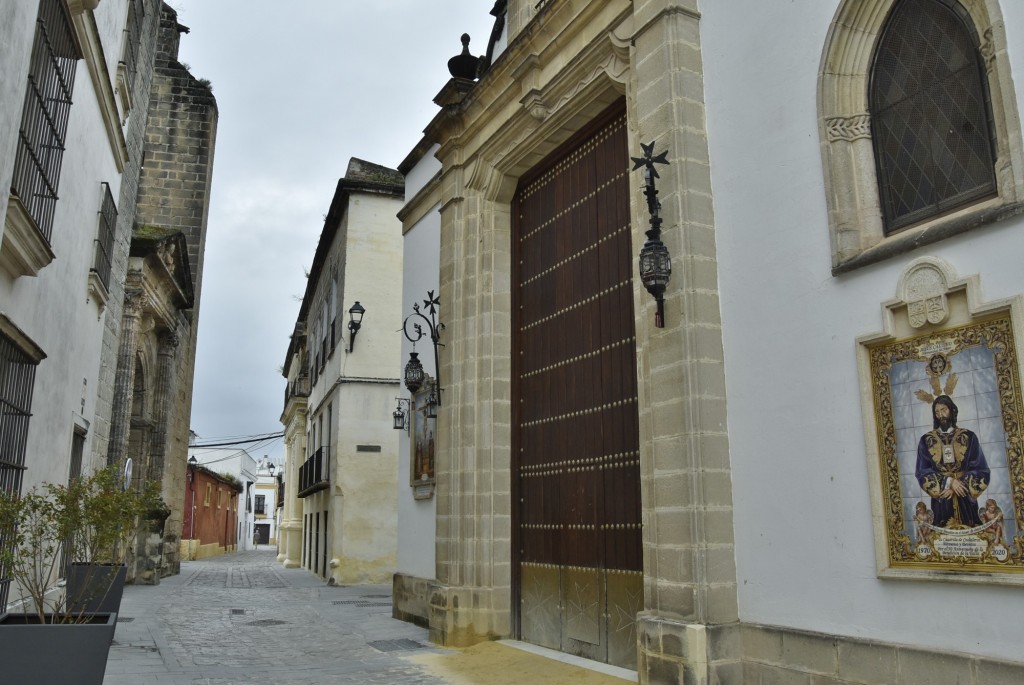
{"x": 10, "y": 330}
{"x": 421, "y": 203}
{"x": 92, "y": 49}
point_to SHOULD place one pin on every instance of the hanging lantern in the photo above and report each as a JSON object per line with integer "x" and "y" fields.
{"x": 655, "y": 271}
{"x": 414, "y": 373}
{"x": 655, "y": 262}
{"x": 432, "y": 401}
{"x": 398, "y": 417}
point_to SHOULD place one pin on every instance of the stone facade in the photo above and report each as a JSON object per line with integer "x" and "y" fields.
{"x": 733, "y": 578}
{"x": 153, "y": 389}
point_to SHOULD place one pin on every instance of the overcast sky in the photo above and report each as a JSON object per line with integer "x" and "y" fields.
{"x": 301, "y": 87}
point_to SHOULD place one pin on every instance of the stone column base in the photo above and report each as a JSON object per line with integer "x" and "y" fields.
{"x": 411, "y": 599}
{"x": 462, "y": 617}
{"x": 291, "y": 544}
{"x": 672, "y": 652}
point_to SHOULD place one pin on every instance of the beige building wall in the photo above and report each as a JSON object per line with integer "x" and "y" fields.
{"x": 345, "y": 528}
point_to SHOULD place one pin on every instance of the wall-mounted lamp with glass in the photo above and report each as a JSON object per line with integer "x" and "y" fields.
{"x": 355, "y": 320}
{"x": 655, "y": 261}
{"x": 400, "y": 417}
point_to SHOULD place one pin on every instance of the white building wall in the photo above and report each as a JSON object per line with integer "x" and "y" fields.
{"x": 17, "y": 30}
{"x": 803, "y": 519}
{"x": 421, "y": 267}
{"x": 68, "y": 327}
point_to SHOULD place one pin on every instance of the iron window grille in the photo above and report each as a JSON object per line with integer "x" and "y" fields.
{"x": 17, "y": 377}
{"x": 261, "y": 505}
{"x": 105, "y": 237}
{"x": 931, "y": 113}
{"x": 133, "y": 41}
{"x": 44, "y": 119}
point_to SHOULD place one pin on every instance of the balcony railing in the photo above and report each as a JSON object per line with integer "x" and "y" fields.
{"x": 315, "y": 473}
{"x": 297, "y": 388}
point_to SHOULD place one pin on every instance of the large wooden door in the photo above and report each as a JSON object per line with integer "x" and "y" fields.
{"x": 577, "y": 570}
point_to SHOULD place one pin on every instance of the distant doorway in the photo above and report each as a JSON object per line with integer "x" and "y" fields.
{"x": 262, "y": 534}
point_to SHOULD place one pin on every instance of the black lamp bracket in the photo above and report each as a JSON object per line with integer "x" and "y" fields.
{"x": 433, "y": 329}
{"x": 655, "y": 261}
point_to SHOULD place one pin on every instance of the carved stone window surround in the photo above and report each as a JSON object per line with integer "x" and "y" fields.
{"x": 851, "y": 187}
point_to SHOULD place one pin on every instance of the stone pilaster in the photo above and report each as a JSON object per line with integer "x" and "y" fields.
{"x": 163, "y": 396}
{"x": 473, "y": 552}
{"x": 689, "y": 557}
{"x": 124, "y": 383}
{"x": 290, "y": 546}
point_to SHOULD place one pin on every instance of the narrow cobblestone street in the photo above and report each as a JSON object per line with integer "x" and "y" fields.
{"x": 242, "y": 619}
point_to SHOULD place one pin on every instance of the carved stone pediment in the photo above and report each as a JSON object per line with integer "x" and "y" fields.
{"x": 165, "y": 252}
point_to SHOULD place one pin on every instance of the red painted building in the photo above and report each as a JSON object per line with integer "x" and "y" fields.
{"x": 210, "y": 521}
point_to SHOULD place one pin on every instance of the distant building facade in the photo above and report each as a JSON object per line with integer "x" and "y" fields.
{"x": 265, "y": 504}
{"x": 241, "y": 466}
{"x": 210, "y": 525}
{"x": 339, "y": 517}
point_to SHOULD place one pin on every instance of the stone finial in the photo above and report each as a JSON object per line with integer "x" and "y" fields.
{"x": 463, "y": 65}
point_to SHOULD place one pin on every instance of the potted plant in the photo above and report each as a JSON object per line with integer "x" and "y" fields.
{"x": 100, "y": 549}
{"x": 90, "y": 520}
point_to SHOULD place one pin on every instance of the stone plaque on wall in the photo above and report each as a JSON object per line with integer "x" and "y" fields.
{"x": 945, "y": 443}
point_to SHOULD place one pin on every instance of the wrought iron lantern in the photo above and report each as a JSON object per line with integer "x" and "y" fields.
{"x": 655, "y": 261}
{"x": 400, "y": 417}
{"x": 414, "y": 375}
{"x": 355, "y": 321}
{"x": 433, "y": 399}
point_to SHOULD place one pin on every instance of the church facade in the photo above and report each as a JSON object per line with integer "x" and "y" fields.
{"x": 740, "y": 489}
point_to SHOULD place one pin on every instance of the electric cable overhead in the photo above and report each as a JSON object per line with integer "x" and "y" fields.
{"x": 269, "y": 437}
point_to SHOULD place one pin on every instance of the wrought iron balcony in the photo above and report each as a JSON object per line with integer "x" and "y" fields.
{"x": 314, "y": 474}
{"x": 297, "y": 388}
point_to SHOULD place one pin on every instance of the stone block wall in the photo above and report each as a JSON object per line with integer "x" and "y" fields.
{"x": 135, "y": 132}
{"x": 783, "y": 656}
{"x": 174, "y": 192}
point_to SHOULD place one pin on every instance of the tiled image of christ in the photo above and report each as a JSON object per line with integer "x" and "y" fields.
{"x": 951, "y": 446}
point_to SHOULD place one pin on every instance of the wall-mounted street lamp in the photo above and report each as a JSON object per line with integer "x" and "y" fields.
{"x": 400, "y": 417}
{"x": 271, "y": 468}
{"x": 655, "y": 261}
{"x": 355, "y": 320}
{"x": 414, "y": 374}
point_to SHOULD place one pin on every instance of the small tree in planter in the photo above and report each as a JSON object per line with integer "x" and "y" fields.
{"x": 91, "y": 522}
{"x": 92, "y": 519}
{"x": 100, "y": 550}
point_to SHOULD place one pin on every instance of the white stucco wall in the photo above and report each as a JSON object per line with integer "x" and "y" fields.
{"x": 17, "y": 29}
{"x": 804, "y": 540}
{"x": 52, "y": 308}
{"x": 421, "y": 267}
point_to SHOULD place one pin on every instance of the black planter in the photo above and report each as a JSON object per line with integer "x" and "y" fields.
{"x": 95, "y": 588}
{"x": 55, "y": 653}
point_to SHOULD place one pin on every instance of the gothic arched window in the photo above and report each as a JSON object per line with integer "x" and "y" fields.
{"x": 918, "y": 120}
{"x": 931, "y": 115}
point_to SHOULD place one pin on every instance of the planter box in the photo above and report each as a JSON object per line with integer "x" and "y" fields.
{"x": 95, "y": 588}
{"x": 55, "y": 653}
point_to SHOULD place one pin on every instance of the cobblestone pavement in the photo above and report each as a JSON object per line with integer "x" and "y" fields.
{"x": 243, "y": 619}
